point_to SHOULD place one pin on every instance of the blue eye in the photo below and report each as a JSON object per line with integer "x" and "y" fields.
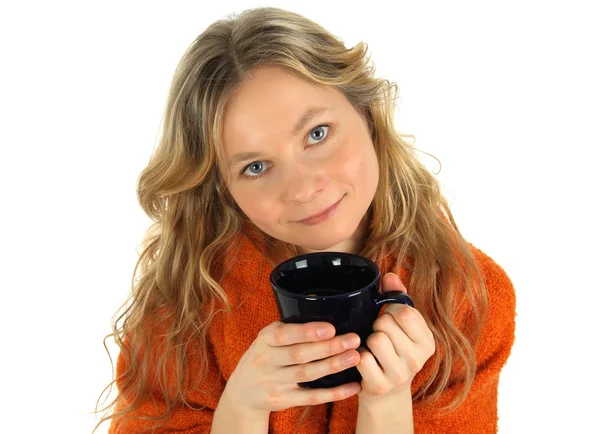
{"x": 256, "y": 167}
{"x": 319, "y": 128}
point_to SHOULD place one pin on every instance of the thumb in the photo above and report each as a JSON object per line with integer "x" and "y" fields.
{"x": 391, "y": 282}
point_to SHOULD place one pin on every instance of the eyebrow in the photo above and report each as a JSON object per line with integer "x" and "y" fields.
{"x": 306, "y": 117}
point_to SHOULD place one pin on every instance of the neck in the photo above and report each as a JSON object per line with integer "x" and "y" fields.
{"x": 354, "y": 244}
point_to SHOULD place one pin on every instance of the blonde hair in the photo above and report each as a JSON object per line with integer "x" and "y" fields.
{"x": 195, "y": 219}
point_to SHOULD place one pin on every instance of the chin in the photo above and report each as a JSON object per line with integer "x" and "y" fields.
{"x": 319, "y": 248}
{"x": 321, "y": 243}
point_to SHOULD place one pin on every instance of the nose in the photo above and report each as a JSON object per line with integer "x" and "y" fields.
{"x": 303, "y": 184}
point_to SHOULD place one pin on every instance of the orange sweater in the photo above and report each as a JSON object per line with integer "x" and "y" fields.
{"x": 230, "y": 336}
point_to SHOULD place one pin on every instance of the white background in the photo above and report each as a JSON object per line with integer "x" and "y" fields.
{"x": 505, "y": 94}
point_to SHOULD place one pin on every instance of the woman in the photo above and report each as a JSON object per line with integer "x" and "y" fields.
{"x": 279, "y": 141}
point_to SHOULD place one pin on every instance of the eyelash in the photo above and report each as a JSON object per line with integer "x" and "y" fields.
{"x": 252, "y": 178}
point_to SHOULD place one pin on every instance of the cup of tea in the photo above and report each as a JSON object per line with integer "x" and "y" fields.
{"x": 339, "y": 288}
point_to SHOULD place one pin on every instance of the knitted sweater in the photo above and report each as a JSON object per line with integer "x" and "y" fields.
{"x": 254, "y": 307}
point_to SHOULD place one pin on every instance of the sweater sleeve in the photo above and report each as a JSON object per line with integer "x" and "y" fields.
{"x": 184, "y": 420}
{"x": 479, "y": 412}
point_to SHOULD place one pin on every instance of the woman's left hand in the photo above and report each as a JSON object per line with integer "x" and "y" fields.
{"x": 401, "y": 342}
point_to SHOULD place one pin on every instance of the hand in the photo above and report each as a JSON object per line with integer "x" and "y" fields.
{"x": 283, "y": 355}
{"x": 401, "y": 342}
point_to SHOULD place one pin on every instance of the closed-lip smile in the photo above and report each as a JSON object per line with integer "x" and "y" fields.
{"x": 320, "y": 216}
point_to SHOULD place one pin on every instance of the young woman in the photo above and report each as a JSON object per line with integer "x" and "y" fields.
{"x": 278, "y": 141}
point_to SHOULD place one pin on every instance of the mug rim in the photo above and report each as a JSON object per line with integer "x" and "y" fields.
{"x": 287, "y": 293}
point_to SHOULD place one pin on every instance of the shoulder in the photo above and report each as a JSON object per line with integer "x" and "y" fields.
{"x": 493, "y": 272}
{"x": 498, "y": 329}
{"x": 500, "y": 288}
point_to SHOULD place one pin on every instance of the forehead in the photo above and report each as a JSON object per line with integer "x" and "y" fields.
{"x": 267, "y": 105}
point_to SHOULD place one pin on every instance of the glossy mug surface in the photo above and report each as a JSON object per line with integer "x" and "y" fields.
{"x": 339, "y": 288}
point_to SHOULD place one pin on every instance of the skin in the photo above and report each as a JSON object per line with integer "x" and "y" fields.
{"x": 302, "y": 175}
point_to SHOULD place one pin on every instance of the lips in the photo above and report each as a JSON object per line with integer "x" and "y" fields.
{"x": 322, "y": 215}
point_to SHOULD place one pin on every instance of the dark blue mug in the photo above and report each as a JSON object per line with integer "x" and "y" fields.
{"x": 339, "y": 288}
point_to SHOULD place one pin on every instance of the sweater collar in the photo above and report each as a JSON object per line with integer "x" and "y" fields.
{"x": 254, "y": 241}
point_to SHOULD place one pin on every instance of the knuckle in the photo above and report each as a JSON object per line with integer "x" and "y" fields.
{"x": 261, "y": 360}
{"x": 335, "y": 364}
{"x": 278, "y": 336}
{"x": 414, "y": 364}
{"x": 266, "y": 331}
{"x": 366, "y": 358}
{"x": 386, "y": 321}
{"x": 302, "y": 373}
{"x": 408, "y": 314}
{"x": 432, "y": 347}
{"x": 273, "y": 399}
{"x": 297, "y": 355}
{"x": 375, "y": 339}
{"x": 333, "y": 346}
{"x": 262, "y": 335}
{"x": 430, "y": 351}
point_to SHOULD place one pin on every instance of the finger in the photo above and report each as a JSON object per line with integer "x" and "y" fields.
{"x": 381, "y": 347}
{"x": 387, "y": 324}
{"x": 307, "y": 352}
{"x": 392, "y": 282}
{"x": 314, "y": 370}
{"x": 279, "y": 334}
{"x": 303, "y": 396}
{"x": 369, "y": 368}
{"x": 411, "y": 322}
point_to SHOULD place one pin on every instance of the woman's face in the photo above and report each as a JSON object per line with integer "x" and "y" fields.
{"x": 284, "y": 165}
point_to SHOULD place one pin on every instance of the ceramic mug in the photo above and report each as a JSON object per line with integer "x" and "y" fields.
{"x": 339, "y": 288}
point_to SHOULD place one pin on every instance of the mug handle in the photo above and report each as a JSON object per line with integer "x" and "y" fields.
{"x": 392, "y": 297}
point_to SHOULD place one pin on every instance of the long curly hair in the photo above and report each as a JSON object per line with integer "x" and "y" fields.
{"x": 184, "y": 192}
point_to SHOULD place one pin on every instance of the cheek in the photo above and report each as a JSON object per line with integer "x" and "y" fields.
{"x": 357, "y": 164}
{"x": 258, "y": 208}
{"x": 372, "y": 167}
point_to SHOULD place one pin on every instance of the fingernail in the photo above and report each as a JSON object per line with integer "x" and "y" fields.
{"x": 348, "y": 359}
{"x": 348, "y": 342}
{"x": 322, "y": 332}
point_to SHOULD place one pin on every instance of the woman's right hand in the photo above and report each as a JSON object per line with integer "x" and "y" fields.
{"x": 266, "y": 377}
